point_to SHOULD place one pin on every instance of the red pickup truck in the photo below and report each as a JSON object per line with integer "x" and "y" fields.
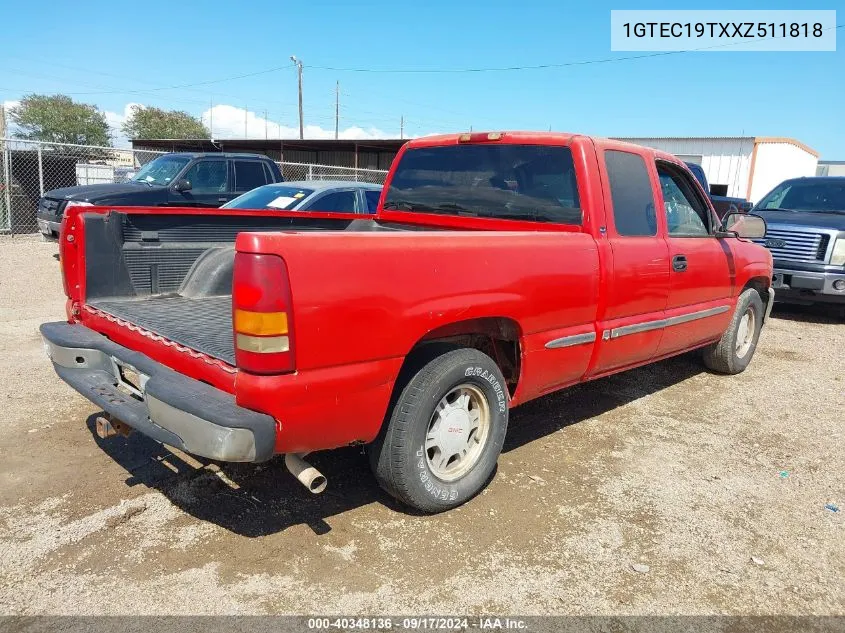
{"x": 499, "y": 267}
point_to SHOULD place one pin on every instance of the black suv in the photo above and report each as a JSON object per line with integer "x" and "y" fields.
{"x": 175, "y": 180}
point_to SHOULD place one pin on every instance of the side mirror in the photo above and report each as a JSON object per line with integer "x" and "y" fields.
{"x": 745, "y": 225}
{"x": 182, "y": 185}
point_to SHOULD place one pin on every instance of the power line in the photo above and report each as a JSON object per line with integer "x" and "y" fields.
{"x": 191, "y": 85}
{"x": 152, "y": 91}
{"x": 606, "y": 60}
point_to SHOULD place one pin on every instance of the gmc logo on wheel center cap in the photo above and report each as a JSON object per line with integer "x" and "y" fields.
{"x": 775, "y": 243}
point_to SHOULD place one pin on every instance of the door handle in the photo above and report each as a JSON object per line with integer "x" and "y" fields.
{"x": 222, "y": 200}
{"x": 679, "y": 263}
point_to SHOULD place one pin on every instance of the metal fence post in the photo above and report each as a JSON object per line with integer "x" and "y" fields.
{"x": 7, "y": 186}
{"x": 40, "y": 172}
{"x": 310, "y": 172}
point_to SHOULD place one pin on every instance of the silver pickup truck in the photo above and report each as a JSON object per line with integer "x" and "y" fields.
{"x": 806, "y": 235}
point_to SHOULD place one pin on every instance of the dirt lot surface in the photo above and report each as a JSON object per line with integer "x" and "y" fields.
{"x": 717, "y": 485}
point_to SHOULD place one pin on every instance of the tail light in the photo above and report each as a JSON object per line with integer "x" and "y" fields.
{"x": 68, "y": 241}
{"x": 261, "y": 315}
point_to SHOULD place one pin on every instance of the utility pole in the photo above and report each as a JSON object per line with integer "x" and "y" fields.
{"x": 246, "y": 114}
{"x": 265, "y": 125}
{"x": 402, "y": 127}
{"x": 2, "y": 121}
{"x": 298, "y": 64}
{"x": 211, "y": 119}
{"x": 336, "y": 109}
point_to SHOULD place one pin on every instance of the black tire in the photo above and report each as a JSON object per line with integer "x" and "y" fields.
{"x": 398, "y": 455}
{"x": 723, "y": 357}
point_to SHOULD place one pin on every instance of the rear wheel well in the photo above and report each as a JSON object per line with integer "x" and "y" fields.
{"x": 498, "y": 337}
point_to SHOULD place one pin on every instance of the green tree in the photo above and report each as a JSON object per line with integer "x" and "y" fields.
{"x": 146, "y": 123}
{"x": 59, "y": 119}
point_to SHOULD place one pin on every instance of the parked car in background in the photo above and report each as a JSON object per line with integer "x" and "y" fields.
{"x": 806, "y": 235}
{"x": 721, "y": 203}
{"x": 497, "y": 269}
{"x": 174, "y": 180}
{"x": 338, "y": 196}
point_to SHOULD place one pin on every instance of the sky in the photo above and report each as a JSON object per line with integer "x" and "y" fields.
{"x": 116, "y": 55}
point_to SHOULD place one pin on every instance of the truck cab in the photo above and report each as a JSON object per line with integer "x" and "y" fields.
{"x": 174, "y": 180}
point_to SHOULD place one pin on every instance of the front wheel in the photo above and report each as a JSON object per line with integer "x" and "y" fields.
{"x": 735, "y": 349}
{"x": 445, "y": 432}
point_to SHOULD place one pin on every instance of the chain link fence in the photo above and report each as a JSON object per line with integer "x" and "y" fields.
{"x": 306, "y": 171}
{"x": 28, "y": 169}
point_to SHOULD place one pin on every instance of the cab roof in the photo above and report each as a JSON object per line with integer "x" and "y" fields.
{"x": 193, "y": 155}
{"x": 534, "y": 138}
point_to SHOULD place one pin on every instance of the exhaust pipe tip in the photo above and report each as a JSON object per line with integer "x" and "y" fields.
{"x": 305, "y": 473}
{"x": 318, "y": 484}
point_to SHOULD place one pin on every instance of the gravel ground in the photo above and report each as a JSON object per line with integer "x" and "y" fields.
{"x": 665, "y": 490}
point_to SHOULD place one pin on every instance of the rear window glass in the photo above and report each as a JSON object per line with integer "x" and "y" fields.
{"x": 516, "y": 182}
{"x": 631, "y": 194}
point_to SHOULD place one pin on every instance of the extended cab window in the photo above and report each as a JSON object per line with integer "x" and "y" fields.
{"x": 515, "y": 182}
{"x": 631, "y": 194}
{"x": 249, "y": 174}
{"x": 208, "y": 176}
{"x": 685, "y": 213}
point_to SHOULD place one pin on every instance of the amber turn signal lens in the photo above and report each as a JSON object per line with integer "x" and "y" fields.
{"x": 261, "y": 323}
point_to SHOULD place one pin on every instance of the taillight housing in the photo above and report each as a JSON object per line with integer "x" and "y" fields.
{"x": 261, "y": 315}
{"x": 68, "y": 241}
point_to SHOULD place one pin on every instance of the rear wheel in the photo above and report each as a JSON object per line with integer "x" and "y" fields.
{"x": 444, "y": 433}
{"x": 735, "y": 349}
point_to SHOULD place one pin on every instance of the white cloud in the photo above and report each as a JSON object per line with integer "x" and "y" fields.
{"x": 116, "y": 120}
{"x": 231, "y": 122}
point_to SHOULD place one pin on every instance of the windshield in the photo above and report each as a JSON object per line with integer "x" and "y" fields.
{"x": 270, "y": 197}
{"x": 814, "y": 196}
{"x": 517, "y": 182}
{"x": 162, "y": 170}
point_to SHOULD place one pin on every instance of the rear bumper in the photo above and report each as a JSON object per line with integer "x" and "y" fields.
{"x": 169, "y": 407}
{"x": 801, "y": 286}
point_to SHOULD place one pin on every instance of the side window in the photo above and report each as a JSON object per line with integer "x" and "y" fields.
{"x": 631, "y": 194}
{"x": 249, "y": 174}
{"x": 685, "y": 213}
{"x": 208, "y": 176}
{"x": 372, "y": 200}
{"x": 341, "y": 202}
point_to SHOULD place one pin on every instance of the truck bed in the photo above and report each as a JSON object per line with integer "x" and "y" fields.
{"x": 203, "y": 324}
{"x": 172, "y": 274}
